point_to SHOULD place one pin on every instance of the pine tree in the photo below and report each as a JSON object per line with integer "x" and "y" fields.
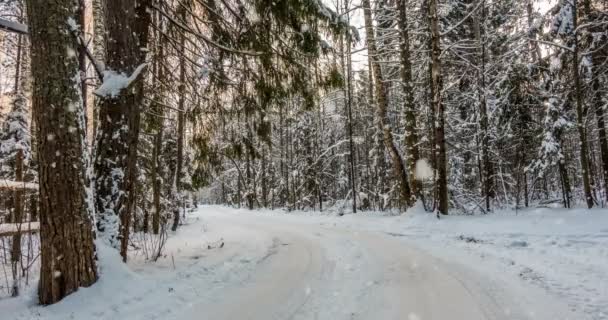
{"x": 66, "y": 234}
{"x": 126, "y": 23}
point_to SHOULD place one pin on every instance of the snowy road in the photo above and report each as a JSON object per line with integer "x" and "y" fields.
{"x": 322, "y": 271}
{"x": 543, "y": 266}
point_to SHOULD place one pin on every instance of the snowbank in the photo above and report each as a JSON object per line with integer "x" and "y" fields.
{"x": 192, "y": 269}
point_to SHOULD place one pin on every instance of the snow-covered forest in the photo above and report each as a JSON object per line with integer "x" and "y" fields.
{"x": 148, "y": 139}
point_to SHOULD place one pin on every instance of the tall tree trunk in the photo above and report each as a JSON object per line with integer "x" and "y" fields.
{"x": 181, "y": 105}
{"x": 411, "y": 137}
{"x": 580, "y": 120}
{"x": 399, "y": 170}
{"x": 598, "y": 59}
{"x": 126, "y": 22}
{"x": 157, "y": 123}
{"x": 66, "y": 234}
{"x": 157, "y": 180}
{"x": 566, "y": 188}
{"x": 82, "y": 60}
{"x": 601, "y": 130}
{"x": 437, "y": 105}
{"x": 17, "y": 218}
{"x": 481, "y": 88}
{"x": 347, "y": 67}
{"x": 99, "y": 51}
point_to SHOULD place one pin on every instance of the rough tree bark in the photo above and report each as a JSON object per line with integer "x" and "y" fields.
{"x": 158, "y": 125}
{"x": 82, "y": 60}
{"x": 17, "y": 218}
{"x": 99, "y": 35}
{"x": 346, "y": 59}
{"x": 66, "y": 234}
{"x": 437, "y": 105}
{"x": 411, "y": 137}
{"x": 580, "y": 120}
{"x": 126, "y": 22}
{"x": 598, "y": 58}
{"x": 601, "y": 131}
{"x": 180, "y": 116}
{"x": 399, "y": 170}
{"x": 481, "y": 89}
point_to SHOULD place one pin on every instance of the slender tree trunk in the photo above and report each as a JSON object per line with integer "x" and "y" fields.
{"x": 82, "y": 60}
{"x": 566, "y": 189}
{"x": 431, "y": 133}
{"x": 411, "y": 136}
{"x": 399, "y": 170}
{"x": 283, "y": 154}
{"x": 486, "y": 169}
{"x": 17, "y": 218}
{"x": 18, "y": 193}
{"x": 126, "y": 22}
{"x": 599, "y": 58}
{"x": 347, "y": 67}
{"x": 157, "y": 180}
{"x": 601, "y": 131}
{"x": 180, "y": 115}
{"x": 437, "y": 105}
{"x": 18, "y": 63}
{"x": 580, "y": 116}
{"x": 66, "y": 234}
{"x": 99, "y": 51}
{"x": 264, "y": 183}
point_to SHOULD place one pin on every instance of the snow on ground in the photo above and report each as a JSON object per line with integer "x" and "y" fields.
{"x": 536, "y": 264}
{"x": 563, "y": 252}
{"x": 188, "y": 272}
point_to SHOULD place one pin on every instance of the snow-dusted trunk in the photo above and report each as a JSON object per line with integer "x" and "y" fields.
{"x": 99, "y": 52}
{"x": 346, "y": 59}
{"x": 411, "y": 136}
{"x": 126, "y": 22}
{"x": 599, "y": 57}
{"x": 18, "y": 196}
{"x": 601, "y": 131}
{"x": 99, "y": 31}
{"x": 157, "y": 180}
{"x": 66, "y": 234}
{"x": 437, "y": 105}
{"x": 17, "y": 218}
{"x": 580, "y": 114}
{"x": 180, "y": 116}
{"x": 399, "y": 170}
{"x": 480, "y": 38}
{"x": 180, "y": 129}
{"x": 82, "y": 60}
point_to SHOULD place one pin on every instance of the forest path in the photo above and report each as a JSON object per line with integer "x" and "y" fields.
{"x": 321, "y": 271}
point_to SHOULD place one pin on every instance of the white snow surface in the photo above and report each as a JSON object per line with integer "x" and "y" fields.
{"x": 534, "y": 264}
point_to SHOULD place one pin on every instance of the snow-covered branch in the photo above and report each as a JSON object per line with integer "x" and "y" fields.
{"x": 12, "y": 26}
{"x": 11, "y": 229}
{"x": 16, "y": 185}
{"x": 77, "y": 33}
{"x": 114, "y": 82}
